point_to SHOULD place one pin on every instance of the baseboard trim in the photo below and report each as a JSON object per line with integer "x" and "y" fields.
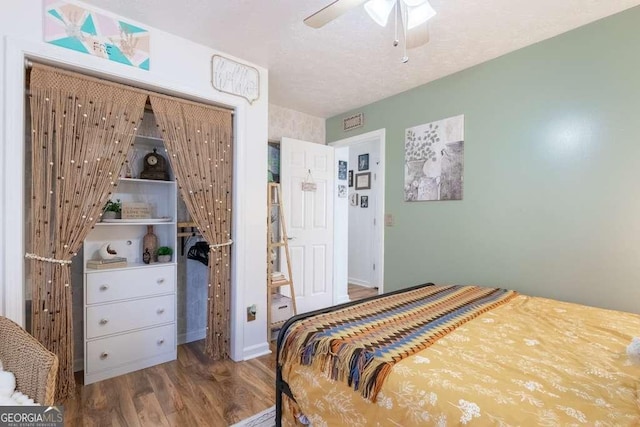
{"x": 360, "y": 282}
{"x": 190, "y": 336}
{"x": 257, "y": 350}
{"x": 343, "y": 299}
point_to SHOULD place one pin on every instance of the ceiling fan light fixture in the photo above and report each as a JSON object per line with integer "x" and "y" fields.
{"x": 419, "y": 14}
{"x": 379, "y": 10}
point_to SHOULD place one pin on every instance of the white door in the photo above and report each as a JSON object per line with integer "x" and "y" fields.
{"x": 309, "y": 220}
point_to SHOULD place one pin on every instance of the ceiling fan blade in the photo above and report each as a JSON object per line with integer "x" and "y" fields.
{"x": 418, "y": 36}
{"x": 331, "y": 12}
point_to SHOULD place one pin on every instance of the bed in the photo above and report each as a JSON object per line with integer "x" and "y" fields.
{"x": 458, "y": 355}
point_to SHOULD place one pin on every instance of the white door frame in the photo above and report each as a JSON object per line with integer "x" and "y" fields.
{"x": 12, "y": 161}
{"x": 380, "y": 136}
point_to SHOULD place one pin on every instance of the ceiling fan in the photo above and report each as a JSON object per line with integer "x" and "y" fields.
{"x": 410, "y": 15}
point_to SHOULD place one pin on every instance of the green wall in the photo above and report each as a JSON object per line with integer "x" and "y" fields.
{"x": 552, "y": 173}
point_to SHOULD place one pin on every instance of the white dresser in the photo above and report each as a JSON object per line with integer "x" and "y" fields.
{"x": 130, "y": 320}
{"x": 130, "y": 311}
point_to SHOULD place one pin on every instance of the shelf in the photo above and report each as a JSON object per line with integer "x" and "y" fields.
{"x": 153, "y": 181}
{"x": 124, "y": 222}
{"x": 278, "y": 325}
{"x": 280, "y": 283}
{"x": 130, "y": 266}
{"x": 277, "y": 238}
{"x": 154, "y": 141}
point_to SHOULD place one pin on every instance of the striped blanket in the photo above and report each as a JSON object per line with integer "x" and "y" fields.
{"x": 360, "y": 344}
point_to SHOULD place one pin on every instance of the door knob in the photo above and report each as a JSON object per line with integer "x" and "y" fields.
{"x": 104, "y": 355}
{"x": 104, "y": 321}
{"x": 160, "y": 310}
{"x": 104, "y": 287}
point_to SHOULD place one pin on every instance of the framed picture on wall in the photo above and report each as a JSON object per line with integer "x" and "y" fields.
{"x": 353, "y": 199}
{"x": 363, "y": 181}
{"x": 342, "y": 191}
{"x": 351, "y": 178}
{"x": 273, "y": 167}
{"x": 363, "y": 162}
{"x": 342, "y": 170}
{"x": 364, "y": 201}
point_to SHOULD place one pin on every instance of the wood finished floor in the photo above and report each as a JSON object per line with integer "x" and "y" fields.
{"x": 357, "y": 292}
{"x": 190, "y": 391}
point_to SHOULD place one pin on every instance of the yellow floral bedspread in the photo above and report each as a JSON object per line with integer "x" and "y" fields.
{"x": 531, "y": 362}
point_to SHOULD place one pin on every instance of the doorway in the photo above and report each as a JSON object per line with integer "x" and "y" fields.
{"x": 364, "y": 216}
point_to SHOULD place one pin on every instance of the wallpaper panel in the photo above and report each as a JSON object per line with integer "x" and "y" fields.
{"x": 294, "y": 124}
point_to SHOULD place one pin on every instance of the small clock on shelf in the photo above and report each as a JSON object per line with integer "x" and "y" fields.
{"x": 155, "y": 166}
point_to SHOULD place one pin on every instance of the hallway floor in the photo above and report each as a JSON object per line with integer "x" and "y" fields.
{"x": 357, "y": 292}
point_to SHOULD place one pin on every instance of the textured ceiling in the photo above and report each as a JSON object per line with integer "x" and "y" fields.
{"x": 351, "y": 62}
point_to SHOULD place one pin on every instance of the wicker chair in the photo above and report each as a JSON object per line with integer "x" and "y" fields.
{"x": 35, "y": 367}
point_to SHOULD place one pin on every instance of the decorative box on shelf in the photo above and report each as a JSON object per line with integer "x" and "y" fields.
{"x": 136, "y": 210}
{"x": 101, "y": 264}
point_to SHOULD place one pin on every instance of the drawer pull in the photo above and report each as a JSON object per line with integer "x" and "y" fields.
{"x": 160, "y": 311}
{"x": 104, "y": 287}
{"x": 161, "y": 341}
{"x": 104, "y": 321}
{"x": 104, "y": 355}
{"x": 160, "y": 281}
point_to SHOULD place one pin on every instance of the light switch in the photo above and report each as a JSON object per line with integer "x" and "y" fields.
{"x": 388, "y": 220}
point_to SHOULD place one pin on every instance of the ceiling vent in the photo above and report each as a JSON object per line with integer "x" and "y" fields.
{"x": 353, "y": 122}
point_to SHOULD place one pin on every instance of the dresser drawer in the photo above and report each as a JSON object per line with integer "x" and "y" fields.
{"x": 109, "y": 353}
{"x": 128, "y": 315}
{"x": 124, "y": 284}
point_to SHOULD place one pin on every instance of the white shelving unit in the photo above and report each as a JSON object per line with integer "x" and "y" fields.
{"x": 130, "y": 312}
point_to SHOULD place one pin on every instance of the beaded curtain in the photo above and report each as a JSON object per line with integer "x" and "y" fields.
{"x": 82, "y": 129}
{"x": 198, "y": 139}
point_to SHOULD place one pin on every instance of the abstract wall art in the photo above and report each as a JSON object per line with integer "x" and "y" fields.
{"x": 434, "y": 160}
{"x": 77, "y": 28}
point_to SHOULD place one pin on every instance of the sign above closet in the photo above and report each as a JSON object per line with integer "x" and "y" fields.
{"x": 85, "y": 30}
{"x": 234, "y": 78}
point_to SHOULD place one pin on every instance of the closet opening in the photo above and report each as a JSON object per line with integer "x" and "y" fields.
{"x": 110, "y": 185}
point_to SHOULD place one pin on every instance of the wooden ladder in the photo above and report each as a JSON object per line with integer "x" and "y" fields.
{"x": 274, "y": 283}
